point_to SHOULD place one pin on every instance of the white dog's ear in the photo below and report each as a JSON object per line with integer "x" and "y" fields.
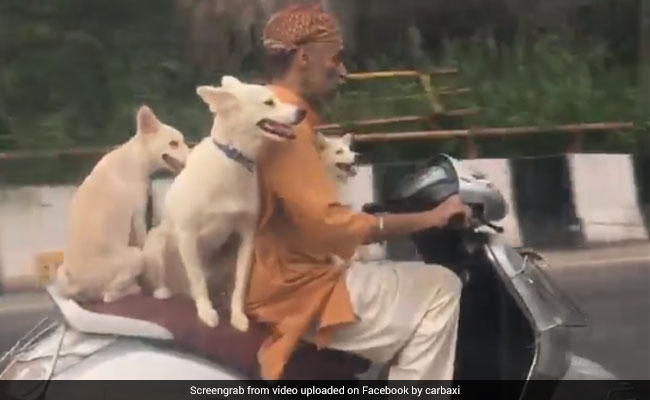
{"x": 146, "y": 121}
{"x": 218, "y": 99}
{"x": 228, "y": 80}
{"x": 347, "y": 139}
{"x": 321, "y": 141}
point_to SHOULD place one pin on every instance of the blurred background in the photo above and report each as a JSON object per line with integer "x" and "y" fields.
{"x": 73, "y": 71}
{"x": 523, "y": 80}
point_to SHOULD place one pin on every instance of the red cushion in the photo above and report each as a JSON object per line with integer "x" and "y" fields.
{"x": 227, "y": 346}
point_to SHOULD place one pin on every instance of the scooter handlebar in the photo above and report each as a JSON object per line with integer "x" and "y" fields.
{"x": 373, "y": 208}
{"x": 457, "y": 221}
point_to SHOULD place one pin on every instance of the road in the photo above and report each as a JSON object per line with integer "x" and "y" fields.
{"x": 616, "y": 299}
{"x": 615, "y": 296}
{"x": 19, "y": 313}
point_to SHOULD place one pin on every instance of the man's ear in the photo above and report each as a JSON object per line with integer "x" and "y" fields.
{"x": 302, "y": 57}
{"x": 218, "y": 99}
{"x": 146, "y": 121}
{"x": 347, "y": 139}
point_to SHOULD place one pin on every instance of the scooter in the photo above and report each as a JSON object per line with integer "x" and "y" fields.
{"x": 515, "y": 323}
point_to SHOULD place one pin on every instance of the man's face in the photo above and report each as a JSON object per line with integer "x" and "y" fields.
{"x": 321, "y": 68}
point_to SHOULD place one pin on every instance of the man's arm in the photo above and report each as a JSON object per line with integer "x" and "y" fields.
{"x": 295, "y": 174}
{"x": 406, "y": 224}
{"x": 308, "y": 199}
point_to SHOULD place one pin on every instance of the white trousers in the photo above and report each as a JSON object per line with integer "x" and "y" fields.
{"x": 407, "y": 313}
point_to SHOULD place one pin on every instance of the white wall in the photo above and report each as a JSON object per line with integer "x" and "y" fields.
{"x": 33, "y": 218}
{"x": 605, "y": 195}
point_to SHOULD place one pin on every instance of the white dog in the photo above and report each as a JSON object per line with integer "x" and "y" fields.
{"x": 217, "y": 191}
{"x": 340, "y": 163}
{"x": 337, "y": 156}
{"x": 107, "y": 214}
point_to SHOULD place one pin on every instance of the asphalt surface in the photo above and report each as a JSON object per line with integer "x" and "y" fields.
{"x": 615, "y": 296}
{"x": 616, "y": 300}
{"x": 19, "y": 313}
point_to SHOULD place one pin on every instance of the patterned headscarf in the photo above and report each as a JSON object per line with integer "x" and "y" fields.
{"x": 296, "y": 25}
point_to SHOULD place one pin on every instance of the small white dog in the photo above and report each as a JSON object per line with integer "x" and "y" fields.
{"x": 340, "y": 163}
{"x": 217, "y": 191}
{"x": 107, "y": 214}
{"x": 338, "y": 157}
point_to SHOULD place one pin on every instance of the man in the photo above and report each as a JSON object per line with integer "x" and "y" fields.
{"x": 405, "y": 312}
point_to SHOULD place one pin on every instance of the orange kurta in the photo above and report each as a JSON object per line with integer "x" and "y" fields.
{"x": 293, "y": 280}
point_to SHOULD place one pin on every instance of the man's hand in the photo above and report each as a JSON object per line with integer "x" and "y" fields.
{"x": 452, "y": 211}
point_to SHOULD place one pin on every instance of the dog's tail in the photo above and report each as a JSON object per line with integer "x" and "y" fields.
{"x": 64, "y": 285}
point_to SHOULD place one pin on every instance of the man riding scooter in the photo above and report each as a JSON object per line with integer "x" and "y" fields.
{"x": 402, "y": 314}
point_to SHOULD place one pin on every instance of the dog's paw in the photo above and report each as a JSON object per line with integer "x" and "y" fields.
{"x": 110, "y": 297}
{"x": 114, "y": 295}
{"x": 162, "y": 293}
{"x": 239, "y": 321}
{"x": 208, "y": 315}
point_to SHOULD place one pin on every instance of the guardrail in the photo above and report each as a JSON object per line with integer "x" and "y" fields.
{"x": 575, "y": 132}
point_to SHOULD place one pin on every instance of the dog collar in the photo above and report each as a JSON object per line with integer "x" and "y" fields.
{"x": 235, "y": 155}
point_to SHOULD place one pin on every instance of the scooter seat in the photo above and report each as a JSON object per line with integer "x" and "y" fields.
{"x": 175, "y": 322}
{"x": 83, "y": 320}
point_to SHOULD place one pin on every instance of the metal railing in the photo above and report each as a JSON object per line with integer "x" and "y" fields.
{"x": 575, "y": 132}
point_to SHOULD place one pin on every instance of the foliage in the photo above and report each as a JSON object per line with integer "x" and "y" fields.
{"x": 74, "y": 71}
{"x": 546, "y": 84}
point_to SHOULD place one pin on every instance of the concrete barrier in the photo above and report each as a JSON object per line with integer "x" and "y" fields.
{"x": 32, "y": 220}
{"x": 543, "y": 202}
{"x": 602, "y": 188}
{"x": 641, "y": 164}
